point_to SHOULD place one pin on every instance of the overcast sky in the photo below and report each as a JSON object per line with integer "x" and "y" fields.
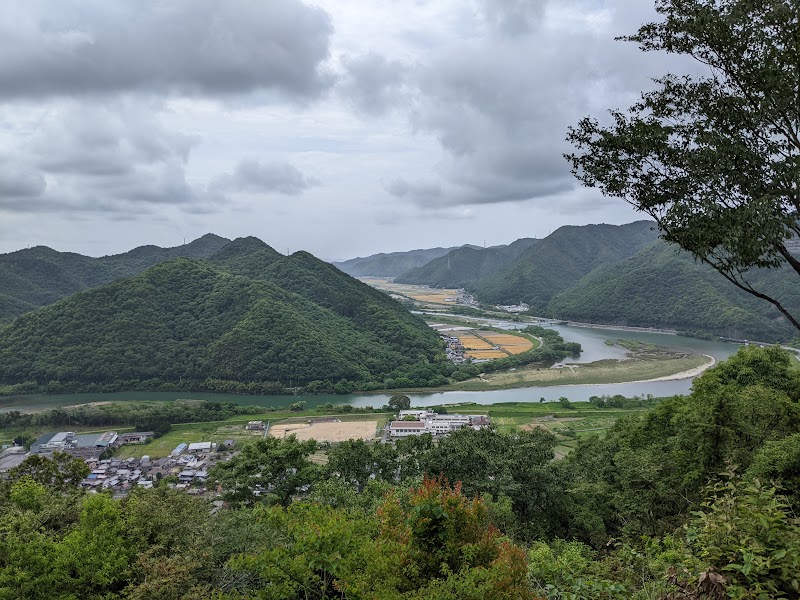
{"x": 341, "y": 127}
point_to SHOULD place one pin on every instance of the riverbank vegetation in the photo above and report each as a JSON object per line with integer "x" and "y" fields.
{"x": 479, "y": 514}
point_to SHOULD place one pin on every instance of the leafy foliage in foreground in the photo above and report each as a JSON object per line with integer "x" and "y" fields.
{"x": 653, "y": 511}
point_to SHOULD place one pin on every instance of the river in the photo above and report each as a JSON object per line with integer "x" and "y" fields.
{"x": 591, "y": 339}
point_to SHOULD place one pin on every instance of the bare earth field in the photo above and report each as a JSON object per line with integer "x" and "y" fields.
{"x": 327, "y": 432}
{"x": 415, "y": 292}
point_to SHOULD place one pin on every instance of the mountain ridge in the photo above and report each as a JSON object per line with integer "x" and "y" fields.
{"x": 197, "y": 322}
{"x": 38, "y": 276}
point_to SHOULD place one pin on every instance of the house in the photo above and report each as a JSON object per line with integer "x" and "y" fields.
{"x": 136, "y": 437}
{"x": 201, "y": 447}
{"x": 254, "y": 425}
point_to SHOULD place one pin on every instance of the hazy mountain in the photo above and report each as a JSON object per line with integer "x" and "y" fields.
{"x": 391, "y": 264}
{"x": 249, "y": 315}
{"x": 39, "y": 276}
{"x": 462, "y": 267}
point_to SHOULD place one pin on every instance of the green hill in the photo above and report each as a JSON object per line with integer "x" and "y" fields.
{"x": 248, "y": 316}
{"x": 462, "y": 267}
{"x": 560, "y": 260}
{"x": 664, "y": 287}
{"x": 389, "y": 264}
{"x": 40, "y": 276}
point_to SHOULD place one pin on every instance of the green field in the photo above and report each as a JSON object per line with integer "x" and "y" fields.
{"x": 583, "y": 421}
{"x": 598, "y": 372}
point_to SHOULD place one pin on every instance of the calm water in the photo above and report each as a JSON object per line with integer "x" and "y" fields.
{"x": 592, "y": 341}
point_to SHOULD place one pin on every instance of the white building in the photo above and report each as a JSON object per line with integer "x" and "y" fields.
{"x": 200, "y": 447}
{"x": 433, "y": 423}
{"x": 405, "y": 428}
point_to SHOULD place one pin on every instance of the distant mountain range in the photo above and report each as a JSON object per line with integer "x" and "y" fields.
{"x": 391, "y": 264}
{"x": 619, "y": 275}
{"x": 464, "y": 266}
{"x": 241, "y": 317}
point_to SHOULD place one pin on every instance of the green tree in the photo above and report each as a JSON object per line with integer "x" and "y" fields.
{"x": 271, "y": 467}
{"x": 399, "y": 402}
{"x": 60, "y": 472}
{"x": 516, "y": 465}
{"x": 778, "y": 461}
{"x": 714, "y": 159}
{"x": 94, "y": 558}
{"x": 356, "y": 462}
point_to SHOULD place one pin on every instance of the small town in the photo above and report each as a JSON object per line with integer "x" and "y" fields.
{"x": 187, "y": 466}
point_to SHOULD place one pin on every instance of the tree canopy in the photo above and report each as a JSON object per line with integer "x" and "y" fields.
{"x": 714, "y": 159}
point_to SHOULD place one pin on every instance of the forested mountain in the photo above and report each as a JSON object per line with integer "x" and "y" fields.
{"x": 560, "y": 260}
{"x": 39, "y": 276}
{"x": 248, "y": 315}
{"x": 618, "y": 275}
{"x": 662, "y": 286}
{"x": 462, "y": 267}
{"x": 389, "y": 264}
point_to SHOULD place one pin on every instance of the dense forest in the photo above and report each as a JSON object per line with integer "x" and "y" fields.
{"x": 695, "y": 498}
{"x": 40, "y": 276}
{"x": 247, "y": 315}
{"x": 560, "y": 260}
{"x": 662, "y": 286}
{"x": 463, "y": 267}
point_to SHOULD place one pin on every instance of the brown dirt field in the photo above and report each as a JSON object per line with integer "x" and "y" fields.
{"x": 432, "y": 298}
{"x": 517, "y": 349}
{"x": 505, "y": 339}
{"x": 327, "y": 432}
{"x": 486, "y": 354}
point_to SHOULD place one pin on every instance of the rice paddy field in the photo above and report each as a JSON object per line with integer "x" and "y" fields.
{"x": 491, "y": 345}
{"x": 419, "y": 293}
{"x": 510, "y": 343}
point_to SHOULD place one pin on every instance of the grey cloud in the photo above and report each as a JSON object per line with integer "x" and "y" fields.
{"x": 106, "y": 140}
{"x": 513, "y": 17}
{"x": 114, "y": 158}
{"x": 265, "y": 177}
{"x": 75, "y": 47}
{"x": 421, "y": 192}
{"x": 18, "y": 182}
{"x": 372, "y": 83}
{"x": 500, "y": 104}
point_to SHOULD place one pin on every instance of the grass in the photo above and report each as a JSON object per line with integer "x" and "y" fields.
{"x": 585, "y": 420}
{"x": 598, "y": 372}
